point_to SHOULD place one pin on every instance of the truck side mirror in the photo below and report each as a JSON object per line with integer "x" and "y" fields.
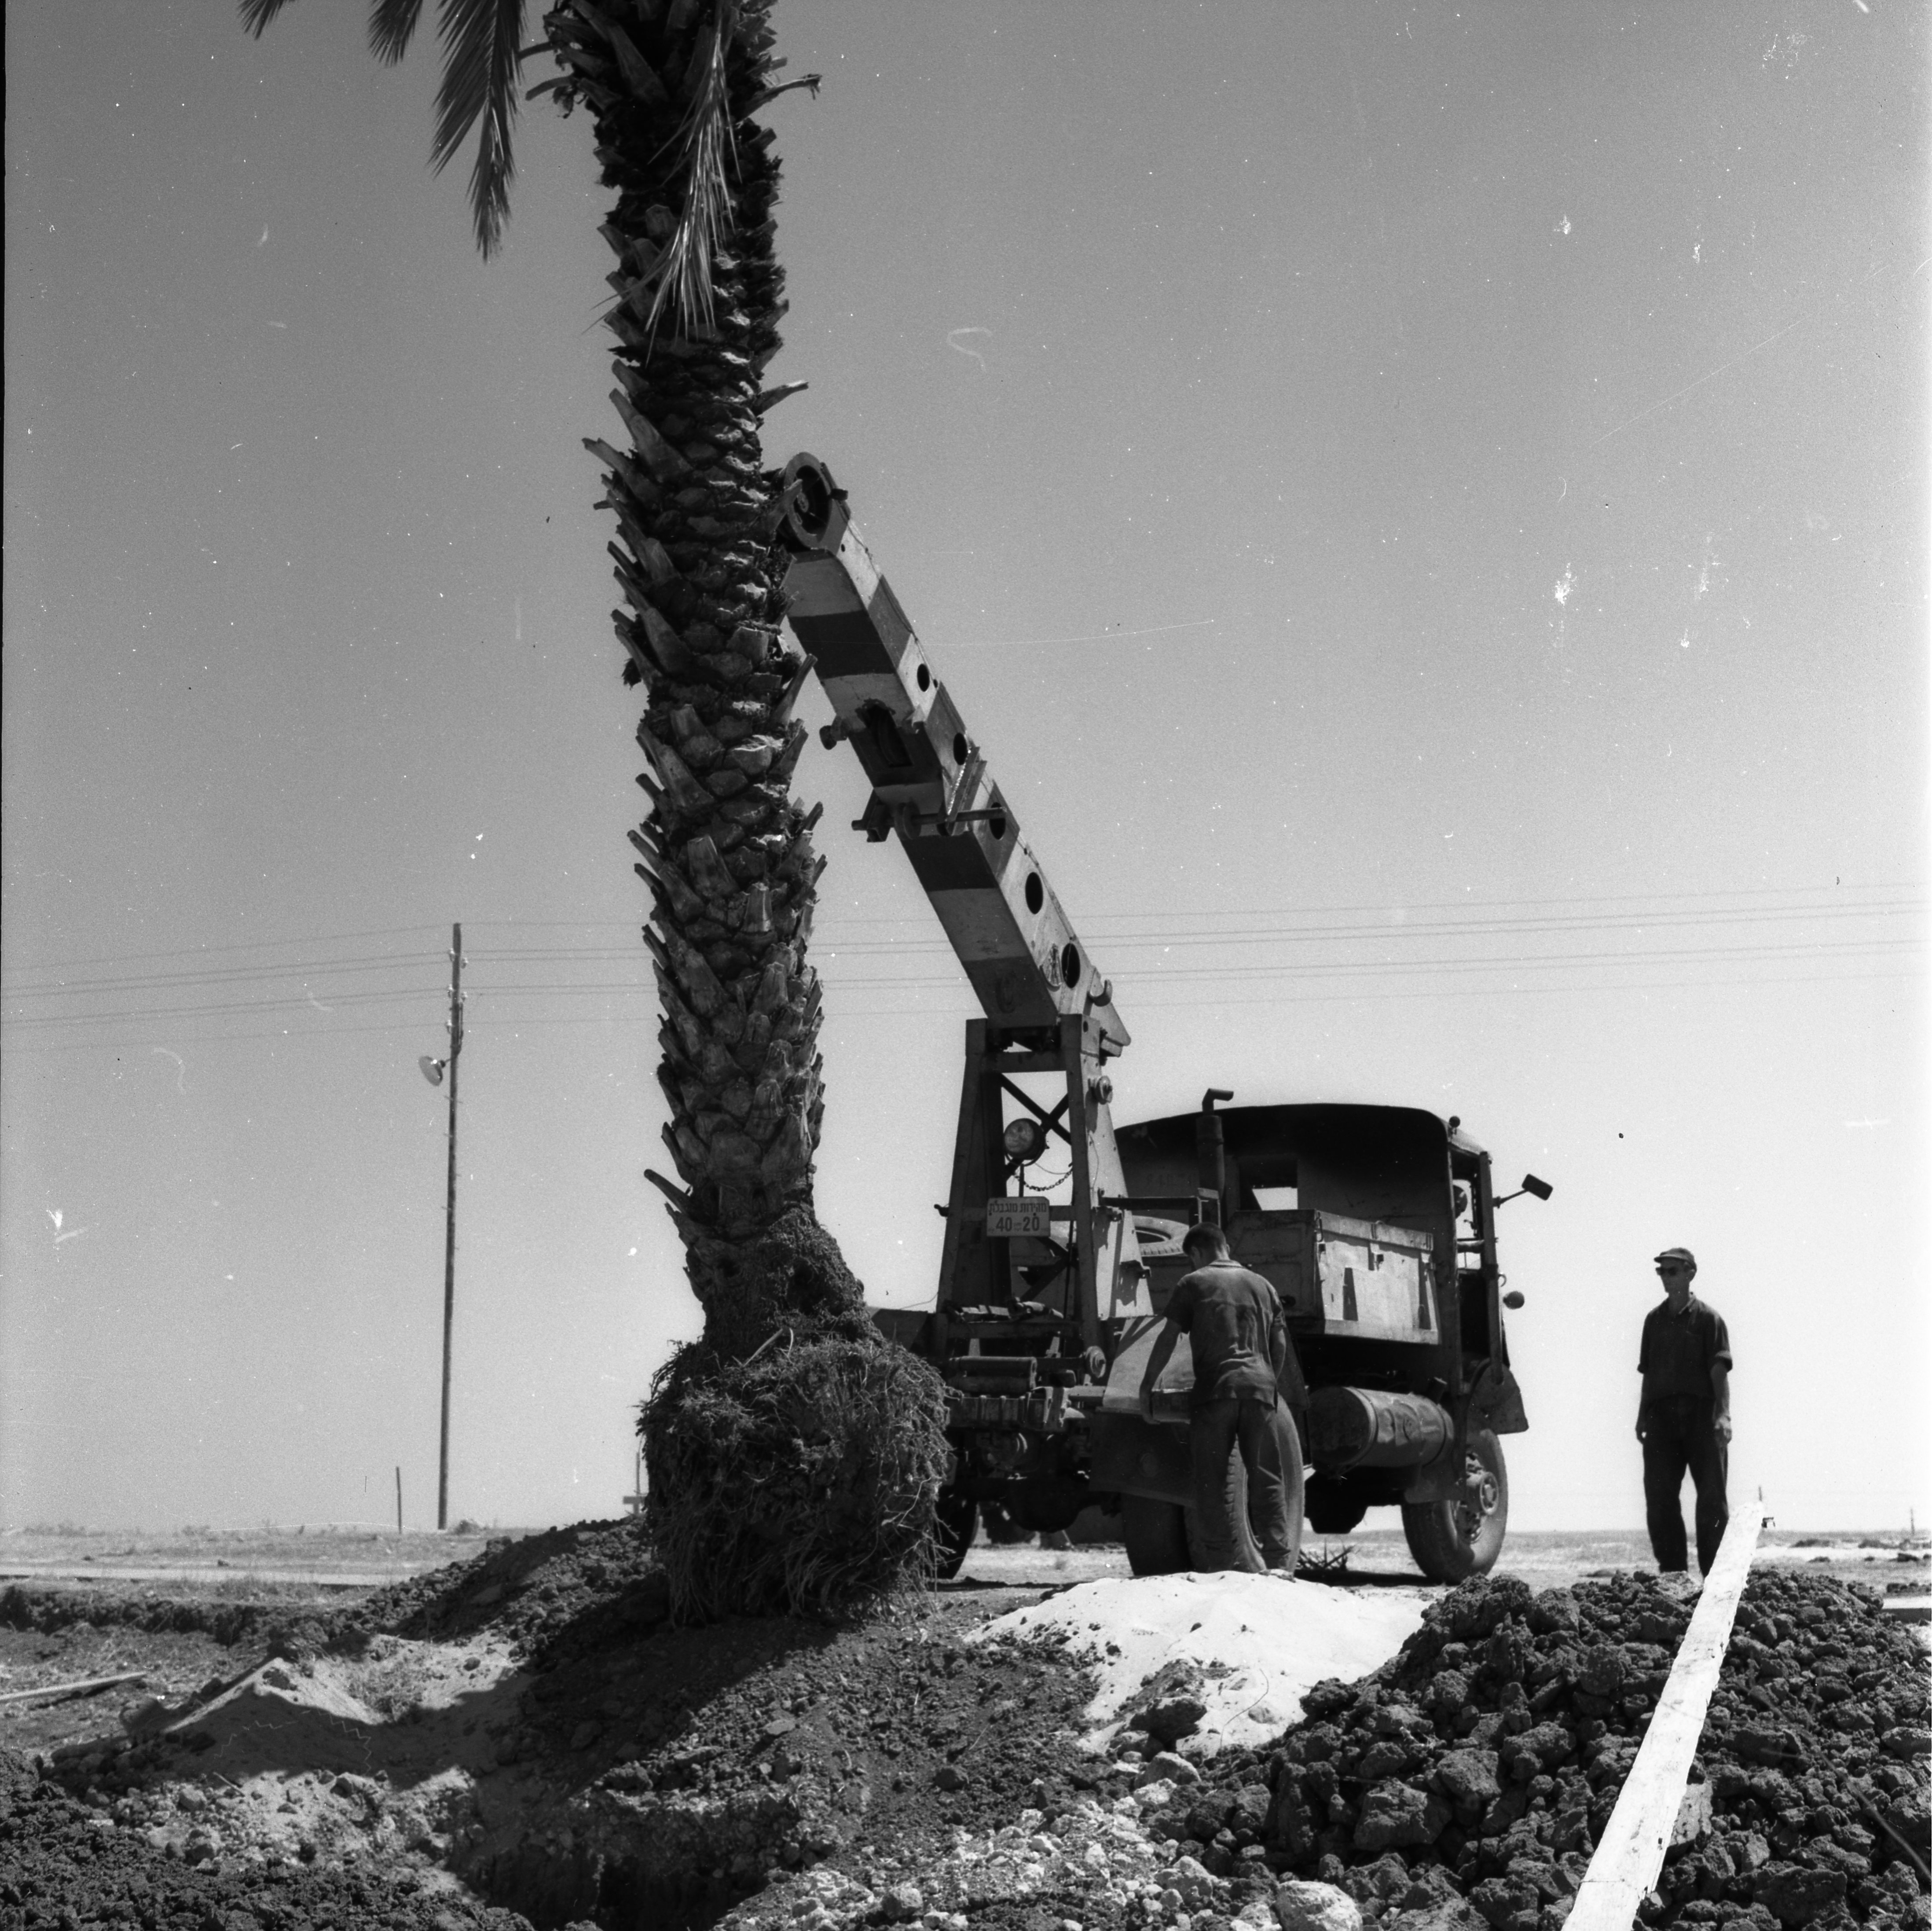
{"x": 1512, "y": 1300}
{"x": 1541, "y": 1189}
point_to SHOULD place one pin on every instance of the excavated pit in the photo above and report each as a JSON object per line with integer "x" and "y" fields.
{"x": 523, "y": 1740}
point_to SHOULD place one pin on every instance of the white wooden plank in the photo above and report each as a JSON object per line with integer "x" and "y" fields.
{"x": 86, "y": 1685}
{"x": 1631, "y": 1854}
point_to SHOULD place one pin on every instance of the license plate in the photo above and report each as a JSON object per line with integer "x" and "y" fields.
{"x": 1013, "y": 1220}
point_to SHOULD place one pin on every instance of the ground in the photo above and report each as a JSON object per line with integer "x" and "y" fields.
{"x": 521, "y": 1731}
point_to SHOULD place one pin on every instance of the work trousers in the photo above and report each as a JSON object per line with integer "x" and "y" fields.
{"x": 1212, "y": 1432}
{"x": 1678, "y": 1434}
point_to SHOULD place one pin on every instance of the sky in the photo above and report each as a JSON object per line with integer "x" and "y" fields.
{"x": 1424, "y": 508}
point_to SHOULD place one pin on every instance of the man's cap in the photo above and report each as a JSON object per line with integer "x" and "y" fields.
{"x": 1682, "y": 1254}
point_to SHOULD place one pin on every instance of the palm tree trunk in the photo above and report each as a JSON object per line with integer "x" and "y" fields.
{"x": 725, "y": 850}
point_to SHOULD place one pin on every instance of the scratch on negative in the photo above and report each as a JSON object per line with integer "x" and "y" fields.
{"x": 952, "y": 341}
{"x": 1709, "y": 375}
{"x": 1089, "y": 637}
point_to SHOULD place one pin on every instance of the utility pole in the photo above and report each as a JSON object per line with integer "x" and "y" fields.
{"x": 449, "y": 1237}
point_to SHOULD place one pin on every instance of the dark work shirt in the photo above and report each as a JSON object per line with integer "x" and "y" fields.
{"x": 1678, "y": 1349}
{"x": 1233, "y": 1320}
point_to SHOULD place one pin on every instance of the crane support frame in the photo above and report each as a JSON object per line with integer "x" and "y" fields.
{"x": 1109, "y": 1280}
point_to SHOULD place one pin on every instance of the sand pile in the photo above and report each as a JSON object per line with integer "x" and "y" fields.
{"x": 1246, "y": 1648}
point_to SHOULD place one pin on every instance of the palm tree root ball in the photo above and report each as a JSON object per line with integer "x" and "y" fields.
{"x": 801, "y": 1477}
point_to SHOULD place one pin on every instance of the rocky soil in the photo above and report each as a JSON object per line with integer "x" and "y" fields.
{"x": 523, "y": 1739}
{"x": 1467, "y": 1781}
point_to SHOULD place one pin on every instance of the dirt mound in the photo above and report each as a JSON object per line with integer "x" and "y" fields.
{"x": 49, "y": 1607}
{"x": 596, "y": 1581}
{"x": 528, "y": 1587}
{"x": 570, "y": 1760}
{"x": 1466, "y": 1781}
{"x": 66, "y": 1861}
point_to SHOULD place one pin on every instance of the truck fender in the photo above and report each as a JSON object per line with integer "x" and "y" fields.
{"x": 1132, "y": 1457}
{"x": 1494, "y": 1397}
{"x": 1134, "y": 1347}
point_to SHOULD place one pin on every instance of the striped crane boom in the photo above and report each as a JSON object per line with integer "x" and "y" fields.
{"x": 930, "y": 782}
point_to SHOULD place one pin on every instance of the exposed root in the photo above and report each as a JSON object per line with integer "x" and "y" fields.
{"x": 803, "y": 1480}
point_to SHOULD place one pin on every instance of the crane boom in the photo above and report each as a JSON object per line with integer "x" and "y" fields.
{"x": 1064, "y": 1385}
{"x": 930, "y": 783}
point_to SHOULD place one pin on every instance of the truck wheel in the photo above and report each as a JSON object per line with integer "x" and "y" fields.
{"x": 1163, "y": 1538}
{"x": 1155, "y": 1534}
{"x": 958, "y": 1518}
{"x": 1452, "y": 1541}
{"x": 1246, "y": 1553}
{"x": 1247, "y": 1549}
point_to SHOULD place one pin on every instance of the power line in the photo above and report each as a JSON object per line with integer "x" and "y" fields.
{"x": 836, "y": 1009}
{"x": 1405, "y": 933}
{"x": 826, "y": 938}
{"x": 830, "y": 944}
{"x": 1171, "y": 932}
{"x": 1191, "y": 915}
{"x": 232, "y": 975}
{"x": 1184, "y": 915}
{"x": 244, "y": 945}
{"x": 209, "y": 1011}
{"x": 1519, "y": 962}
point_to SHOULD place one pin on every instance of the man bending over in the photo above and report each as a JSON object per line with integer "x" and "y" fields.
{"x": 1243, "y": 1361}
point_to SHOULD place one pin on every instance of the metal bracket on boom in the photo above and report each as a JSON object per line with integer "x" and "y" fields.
{"x": 930, "y": 782}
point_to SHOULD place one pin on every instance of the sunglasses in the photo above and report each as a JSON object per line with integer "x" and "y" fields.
{"x": 1674, "y": 1268}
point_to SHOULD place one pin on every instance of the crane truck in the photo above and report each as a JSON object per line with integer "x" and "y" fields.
{"x": 1376, "y": 1224}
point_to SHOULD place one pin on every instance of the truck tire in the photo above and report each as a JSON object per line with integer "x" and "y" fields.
{"x": 1164, "y": 1537}
{"x": 1156, "y": 1535}
{"x": 1247, "y": 1554}
{"x": 1453, "y": 1541}
{"x": 958, "y": 1519}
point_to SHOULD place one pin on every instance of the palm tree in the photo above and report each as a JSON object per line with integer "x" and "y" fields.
{"x": 805, "y": 1475}
{"x": 726, "y": 852}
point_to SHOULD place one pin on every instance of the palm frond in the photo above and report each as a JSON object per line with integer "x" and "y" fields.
{"x": 256, "y": 14}
{"x": 709, "y": 146}
{"x": 480, "y": 39}
{"x": 392, "y": 25}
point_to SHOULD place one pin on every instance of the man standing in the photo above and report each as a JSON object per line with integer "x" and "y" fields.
{"x": 1683, "y": 1415}
{"x": 1244, "y": 1361}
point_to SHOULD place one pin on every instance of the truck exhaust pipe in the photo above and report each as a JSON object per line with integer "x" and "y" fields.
{"x": 1210, "y": 1152}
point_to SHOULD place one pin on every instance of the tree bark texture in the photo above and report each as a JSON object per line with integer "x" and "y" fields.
{"x": 724, "y": 851}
